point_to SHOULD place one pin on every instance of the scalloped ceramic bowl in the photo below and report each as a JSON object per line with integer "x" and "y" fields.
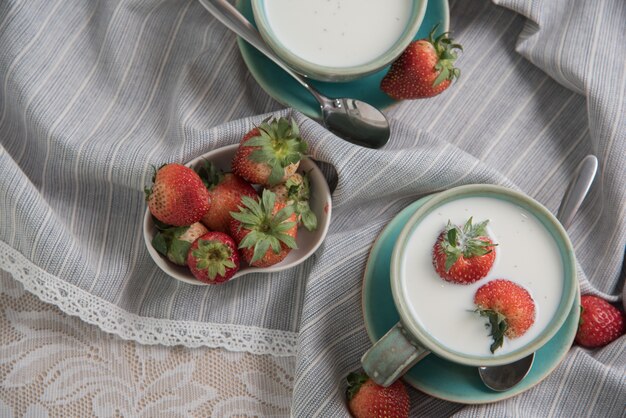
{"x": 300, "y": 44}
{"x": 308, "y": 242}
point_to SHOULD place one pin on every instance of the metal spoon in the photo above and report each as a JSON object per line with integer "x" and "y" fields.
{"x": 353, "y": 120}
{"x": 504, "y": 377}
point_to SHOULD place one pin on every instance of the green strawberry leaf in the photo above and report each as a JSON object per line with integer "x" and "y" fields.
{"x": 246, "y": 218}
{"x": 159, "y": 243}
{"x": 260, "y": 249}
{"x": 498, "y": 325}
{"x": 284, "y": 214}
{"x": 209, "y": 173}
{"x": 268, "y": 198}
{"x": 288, "y": 240}
{"x": 452, "y": 237}
{"x": 274, "y": 243}
{"x": 355, "y": 381}
{"x": 309, "y": 220}
{"x": 277, "y": 173}
{"x": 251, "y": 239}
{"x": 178, "y": 250}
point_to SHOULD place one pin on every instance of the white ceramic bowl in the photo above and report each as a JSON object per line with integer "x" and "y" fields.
{"x": 308, "y": 242}
{"x": 325, "y": 72}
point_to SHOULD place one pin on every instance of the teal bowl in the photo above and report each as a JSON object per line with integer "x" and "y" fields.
{"x": 400, "y": 273}
{"x": 337, "y": 73}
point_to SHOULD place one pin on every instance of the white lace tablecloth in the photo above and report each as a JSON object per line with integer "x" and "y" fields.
{"x": 92, "y": 93}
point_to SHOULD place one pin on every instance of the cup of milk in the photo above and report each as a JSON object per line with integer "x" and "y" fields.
{"x": 338, "y": 40}
{"x": 438, "y": 317}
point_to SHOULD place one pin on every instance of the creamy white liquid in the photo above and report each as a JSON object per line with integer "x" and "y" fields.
{"x": 526, "y": 254}
{"x": 338, "y": 33}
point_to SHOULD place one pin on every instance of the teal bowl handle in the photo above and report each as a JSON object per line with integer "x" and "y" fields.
{"x": 392, "y": 356}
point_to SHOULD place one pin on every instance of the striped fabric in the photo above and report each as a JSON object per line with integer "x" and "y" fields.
{"x": 94, "y": 92}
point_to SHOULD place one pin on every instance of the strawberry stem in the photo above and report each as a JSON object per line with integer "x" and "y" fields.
{"x": 498, "y": 325}
{"x": 355, "y": 381}
{"x": 468, "y": 242}
{"x": 444, "y": 48}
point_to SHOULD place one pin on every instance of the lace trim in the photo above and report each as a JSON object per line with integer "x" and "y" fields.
{"x": 111, "y": 318}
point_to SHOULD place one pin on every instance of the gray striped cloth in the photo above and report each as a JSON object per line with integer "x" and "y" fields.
{"x": 92, "y": 93}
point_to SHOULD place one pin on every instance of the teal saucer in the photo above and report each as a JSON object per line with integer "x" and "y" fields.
{"x": 287, "y": 91}
{"x": 433, "y": 375}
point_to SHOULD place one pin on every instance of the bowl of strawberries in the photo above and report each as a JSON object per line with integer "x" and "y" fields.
{"x": 260, "y": 206}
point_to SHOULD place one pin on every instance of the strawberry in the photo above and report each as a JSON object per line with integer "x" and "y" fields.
{"x": 213, "y": 258}
{"x": 424, "y": 69}
{"x": 174, "y": 241}
{"x": 265, "y": 229}
{"x": 509, "y": 308}
{"x": 269, "y": 154}
{"x": 296, "y": 191}
{"x": 178, "y": 196}
{"x": 463, "y": 255}
{"x": 225, "y": 192}
{"x": 366, "y": 399}
{"x": 600, "y": 322}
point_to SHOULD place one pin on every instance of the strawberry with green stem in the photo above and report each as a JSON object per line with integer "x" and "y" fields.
{"x": 270, "y": 153}
{"x": 174, "y": 241}
{"x": 509, "y": 308}
{"x": 296, "y": 191}
{"x": 213, "y": 258}
{"x": 464, "y": 255}
{"x": 424, "y": 69}
{"x": 265, "y": 229}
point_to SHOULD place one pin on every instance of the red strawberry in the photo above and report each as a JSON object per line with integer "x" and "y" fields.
{"x": 265, "y": 230}
{"x": 424, "y": 69}
{"x": 463, "y": 255}
{"x": 225, "y": 192}
{"x": 174, "y": 241}
{"x": 600, "y": 322}
{"x": 296, "y": 191}
{"x": 178, "y": 196}
{"x": 366, "y": 399}
{"x": 509, "y": 307}
{"x": 269, "y": 154}
{"x": 213, "y": 258}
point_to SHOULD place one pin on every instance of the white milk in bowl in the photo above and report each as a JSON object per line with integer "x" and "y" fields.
{"x": 526, "y": 254}
{"x": 338, "y": 33}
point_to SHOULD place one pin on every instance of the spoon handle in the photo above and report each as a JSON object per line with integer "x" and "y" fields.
{"x": 577, "y": 190}
{"x": 236, "y": 22}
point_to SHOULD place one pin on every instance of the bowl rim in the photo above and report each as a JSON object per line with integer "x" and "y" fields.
{"x": 570, "y": 286}
{"x": 329, "y": 73}
{"x": 182, "y": 273}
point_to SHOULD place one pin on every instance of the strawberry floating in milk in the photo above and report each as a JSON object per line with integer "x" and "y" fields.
{"x": 464, "y": 254}
{"x": 526, "y": 254}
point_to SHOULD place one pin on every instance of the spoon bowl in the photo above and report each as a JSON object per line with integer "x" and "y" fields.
{"x": 352, "y": 120}
{"x": 358, "y": 122}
